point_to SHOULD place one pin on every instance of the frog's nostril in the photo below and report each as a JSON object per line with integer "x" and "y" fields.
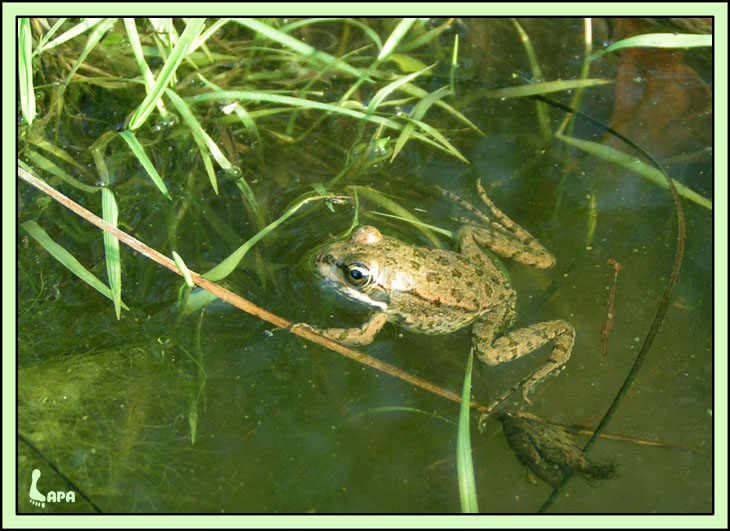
{"x": 324, "y": 259}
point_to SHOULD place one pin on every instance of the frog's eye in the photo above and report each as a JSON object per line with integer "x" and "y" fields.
{"x": 357, "y": 274}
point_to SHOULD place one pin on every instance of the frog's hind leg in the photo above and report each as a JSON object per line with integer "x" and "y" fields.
{"x": 502, "y": 235}
{"x": 522, "y": 341}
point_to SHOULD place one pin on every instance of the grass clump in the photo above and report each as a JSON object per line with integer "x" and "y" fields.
{"x": 122, "y": 99}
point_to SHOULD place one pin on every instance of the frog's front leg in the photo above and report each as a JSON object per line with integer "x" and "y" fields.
{"x": 352, "y": 336}
{"x": 522, "y": 341}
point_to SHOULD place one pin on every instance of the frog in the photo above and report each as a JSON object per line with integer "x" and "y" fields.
{"x": 439, "y": 291}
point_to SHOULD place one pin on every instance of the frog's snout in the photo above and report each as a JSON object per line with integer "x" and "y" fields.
{"x": 325, "y": 264}
{"x": 324, "y": 259}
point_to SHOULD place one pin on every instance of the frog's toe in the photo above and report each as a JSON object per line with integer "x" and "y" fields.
{"x": 526, "y": 390}
{"x": 294, "y": 328}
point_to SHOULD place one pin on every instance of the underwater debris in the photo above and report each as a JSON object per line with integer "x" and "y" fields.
{"x": 548, "y": 451}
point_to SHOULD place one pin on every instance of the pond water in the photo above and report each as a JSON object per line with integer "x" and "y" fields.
{"x": 220, "y": 412}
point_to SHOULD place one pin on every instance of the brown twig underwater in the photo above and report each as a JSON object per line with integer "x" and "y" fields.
{"x": 610, "y": 306}
{"x": 587, "y": 431}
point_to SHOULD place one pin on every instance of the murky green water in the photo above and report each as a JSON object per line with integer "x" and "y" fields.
{"x": 289, "y": 427}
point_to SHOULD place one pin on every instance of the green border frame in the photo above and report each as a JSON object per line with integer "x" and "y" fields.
{"x": 720, "y": 199}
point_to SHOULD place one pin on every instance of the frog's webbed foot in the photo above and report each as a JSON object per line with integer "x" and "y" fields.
{"x": 500, "y": 234}
{"x": 522, "y": 341}
{"x": 363, "y": 335}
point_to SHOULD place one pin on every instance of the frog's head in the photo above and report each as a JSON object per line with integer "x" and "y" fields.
{"x": 351, "y": 267}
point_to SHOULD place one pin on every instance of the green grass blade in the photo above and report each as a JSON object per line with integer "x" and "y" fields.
{"x": 418, "y": 111}
{"x": 96, "y": 35}
{"x": 445, "y": 232}
{"x": 248, "y": 122}
{"x": 662, "y": 40}
{"x": 184, "y": 271}
{"x": 418, "y": 92}
{"x": 66, "y": 259}
{"x": 384, "y": 92}
{"x": 568, "y": 123}
{"x": 529, "y": 49}
{"x": 51, "y": 167}
{"x": 227, "y": 266}
{"x": 207, "y": 145}
{"x": 303, "y": 49}
{"x": 58, "y": 152}
{"x": 406, "y": 63}
{"x": 204, "y": 36}
{"x": 192, "y": 30}
{"x": 424, "y": 38}
{"x": 136, "y": 45}
{"x": 165, "y": 31}
{"x": 440, "y": 138}
{"x": 395, "y": 37}
{"x": 542, "y": 114}
{"x": 635, "y": 165}
{"x": 46, "y": 36}
{"x": 27, "y": 168}
{"x": 367, "y": 30}
{"x": 144, "y": 160}
{"x": 545, "y": 87}
{"x": 199, "y": 58}
{"x": 387, "y": 203}
{"x": 292, "y": 102}
{"x": 454, "y": 63}
{"x": 137, "y": 50}
{"x": 441, "y": 142}
{"x": 193, "y": 421}
{"x": 202, "y": 139}
{"x": 592, "y": 219}
{"x": 78, "y": 29}
{"x": 110, "y": 214}
{"x": 464, "y": 463}
{"x": 25, "y": 71}
{"x": 196, "y": 301}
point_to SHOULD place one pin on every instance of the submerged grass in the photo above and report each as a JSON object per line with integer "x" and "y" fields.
{"x": 67, "y": 259}
{"x": 110, "y": 214}
{"x": 464, "y": 462}
{"x": 661, "y": 40}
{"x": 167, "y": 74}
{"x": 138, "y": 151}
{"x": 25, "y": 71}
{"x": 226, "y": 267}
{"x": 542, "y": 112}
{"x": 632, "y": 163}
{"x": 97, "y": 33}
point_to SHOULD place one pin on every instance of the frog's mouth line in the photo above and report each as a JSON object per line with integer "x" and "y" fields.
{"x": 353, "y": 294}
{"x": 326, "y": 265}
